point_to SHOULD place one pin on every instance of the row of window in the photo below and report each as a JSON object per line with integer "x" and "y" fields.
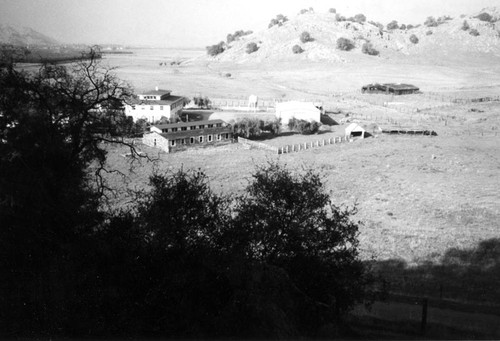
{"x": 151, "y": 107}
{"x": 149, "y": 97}
{"x": 201, "y": 139}
{"x": 201, "y": 126}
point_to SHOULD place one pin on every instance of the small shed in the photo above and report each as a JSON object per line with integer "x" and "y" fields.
{"x": 355, "y": 129}
{"x": 306, "y": 111}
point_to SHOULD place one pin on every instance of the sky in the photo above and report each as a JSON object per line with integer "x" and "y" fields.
{"x": 198, "y": 23}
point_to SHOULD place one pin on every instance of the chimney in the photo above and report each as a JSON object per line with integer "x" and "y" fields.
{"x": 156, "y": 88}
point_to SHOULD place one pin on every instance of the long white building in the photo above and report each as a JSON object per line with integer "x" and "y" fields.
{"x": 155, "y": 104}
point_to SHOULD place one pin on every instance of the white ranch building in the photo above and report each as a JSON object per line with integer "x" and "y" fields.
{"x": 155, "y": 104}
{"x": 306, "y": 111}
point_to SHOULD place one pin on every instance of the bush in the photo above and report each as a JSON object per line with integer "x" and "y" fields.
{"x": 332, "y": 10}
{"x": 339, "y": 17}
{"x": 484, "y": 17}
{"x": 304, "y": 127}
{"x": 430, "y": 22}
{"x": 237, "y": 35}
{"x": 297, "y": 49}
{"x": 344, "y": 44}
{"x": 409, "y": 26}
{"x": 360, "y": 18}
{"x": 202, "y": 102}
{"x": 414, "y": 39}
{"x": 251, "y": 48}
{"x": 377, "y": 24}
{"x": 253, "y": 127}
{"x": 305, "y": 37}
{"x": 465, "y": 26}
{"x": 368, "y": 48}
{"x": 402, "y": 27}
{"x": 428, "y": 33}
{"x": 214, "y": 50}
{"x": 303, "y": 11}
{"x": 393, "y": 25}
{"x": 279, "y": 20}
{"x": 474, "y": 32}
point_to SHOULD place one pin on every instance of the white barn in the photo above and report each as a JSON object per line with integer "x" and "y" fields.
{"x": 299, "y": 110}
{"x": 355, "y": 129}
{"x": 155, "y": 104}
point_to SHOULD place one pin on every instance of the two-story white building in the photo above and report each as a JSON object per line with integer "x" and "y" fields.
{"x": 155, "y": 104}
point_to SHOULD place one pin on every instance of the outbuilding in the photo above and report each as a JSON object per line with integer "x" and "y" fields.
{"x": 306, "y": 111}
{"x": 355, "y": 129}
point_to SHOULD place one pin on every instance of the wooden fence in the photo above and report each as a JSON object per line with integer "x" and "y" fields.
{"x": 310, "y": 145}
{"x": 256, "y": 144}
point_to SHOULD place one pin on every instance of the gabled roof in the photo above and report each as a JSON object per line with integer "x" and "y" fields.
{"x": 187, "y": 124}
{"x": 169, "y": 100}
{"x": 159, "y": 92}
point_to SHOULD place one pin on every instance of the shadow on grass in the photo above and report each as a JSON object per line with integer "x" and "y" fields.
{"x": 327, "y": 120}
{"x": 471, "y": 275}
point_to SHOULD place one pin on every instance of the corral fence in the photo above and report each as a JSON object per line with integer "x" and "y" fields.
{"x": 292, "y": 148}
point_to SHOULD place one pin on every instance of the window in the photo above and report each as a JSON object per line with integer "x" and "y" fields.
{"x": 209, "y": 138}
{"x": 133, "y": 107}
{"x": 164, "y": 130}
{"x": 219, "y": 137}
{"x": 172, "y": 143}
{"x": 183, "y": 141}
{"x": 142, "y": 107}
{"x": 191, "y": 140}
{"x": 202, "y": 126}
{"x": 151, "y": 107}
{"x": 200, "y": 139}
{"x": 218, "y": 125}
{"x": 227, "y": 136}
{"x": 161, "y": 107}
{"x": 174, "y": 129}
{"x": 192, "y": 128}
{"x": 184, "y": 128}
{"x": 210, "y": 125}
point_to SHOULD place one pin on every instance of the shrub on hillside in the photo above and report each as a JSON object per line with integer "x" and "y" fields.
{"x": 332, "y": 10}
{"x": 377, "y": 24}
{"x": 236, "y": 35}
{"x": 402, "y": 27}
{"x": 409, "y": 26}
{"x": 428, "y": 33}
{"x": 465, "y": 26}
{"x": 345, "y": 44}
{"x": 305, "y": 37}
{"x": 304, "y": 127}
{"x": 251, "y": 48}
{"x": 393, "y": 25}
{"x": 216, "y": 49}
{"x": 484, "y": 17}
{"x": 297, "y": 49}
{"x": 414, "y": 39}
{"x": 360, "y": 18}
{"x": 339, "y": 17}
{"x": 430, "y": 22}
{"x": 474, "y": 32}
{"x": 279, "y": 20}
{"x": 368, "y": 48}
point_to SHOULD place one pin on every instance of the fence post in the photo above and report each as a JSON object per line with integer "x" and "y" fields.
{"x": 423, "y": 324}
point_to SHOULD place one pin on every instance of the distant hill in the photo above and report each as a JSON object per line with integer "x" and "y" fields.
{"x": 22, "y": 36}
{"x": 448, "y": 38}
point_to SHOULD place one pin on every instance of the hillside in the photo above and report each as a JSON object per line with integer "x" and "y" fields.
{"x": 22, "y": 36}
{"x": 448, "y": 39}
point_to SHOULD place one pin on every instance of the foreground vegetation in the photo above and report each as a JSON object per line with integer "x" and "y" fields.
{"x": 281, "y": 260}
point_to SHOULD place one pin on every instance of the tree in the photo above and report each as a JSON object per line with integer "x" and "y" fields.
{"x": 402, "y": 27}
{"x": 360, "y": 18}
{"x": 332, "y": 10}
{"x": 289, "y": 221}
{"x": 414, "y": 39}
{"x": 305, "y": 37}
{"x": 393, "y": 25}
{"x": 297, "y": 49}
{"x": 474, "y": 32}
{"x": 279, "y": 20}
{"x": 344, "y": 44}
{"x": 52, "y": 126}
{"x": 431, "y": 22}
{"x": 304, "y": 127}
{"x": 465, "y": 26}
{"x": 216, "y": 49}
{"x": 368, "y": 48}
{"x": 484, "y": 17}
{"x": 251, "y": 48}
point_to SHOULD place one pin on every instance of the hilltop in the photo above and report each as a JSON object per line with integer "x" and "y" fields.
{"x": 448, "y": 38}
{"x": 22, "y": 36}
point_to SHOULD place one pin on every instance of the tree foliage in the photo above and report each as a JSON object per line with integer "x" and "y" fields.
{"x": 304, "y": 127}
{"x": 251, "y": 48}
{"x": 237, "y": 35}
{"x": 368, "y": 48}
{"x": 279, "y": 20}
{"x": 414, "y": 39}
{"x": 465, "y": 26}
{"x": 360, "y": 18}
{"x": 216, "y": 49}
{"x": 297, "y": 49}
{"x": 393, "y": 25}
{"x": 345, "y": 44}
{"x": 253, "y": 127}
{"x": 484, "y": 17}
{"x": 431, "y": 22}
{"x": 306, "y": 37}
{"x": 474, "y": 32}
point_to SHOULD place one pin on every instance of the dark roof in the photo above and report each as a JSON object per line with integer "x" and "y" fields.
{"x": 158, "y": 92}
{"x": 194, "y": 133}
{"x": 401, "y": 86}
{"x": 186, "y": 124}
{"x": 167, "y": 101}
